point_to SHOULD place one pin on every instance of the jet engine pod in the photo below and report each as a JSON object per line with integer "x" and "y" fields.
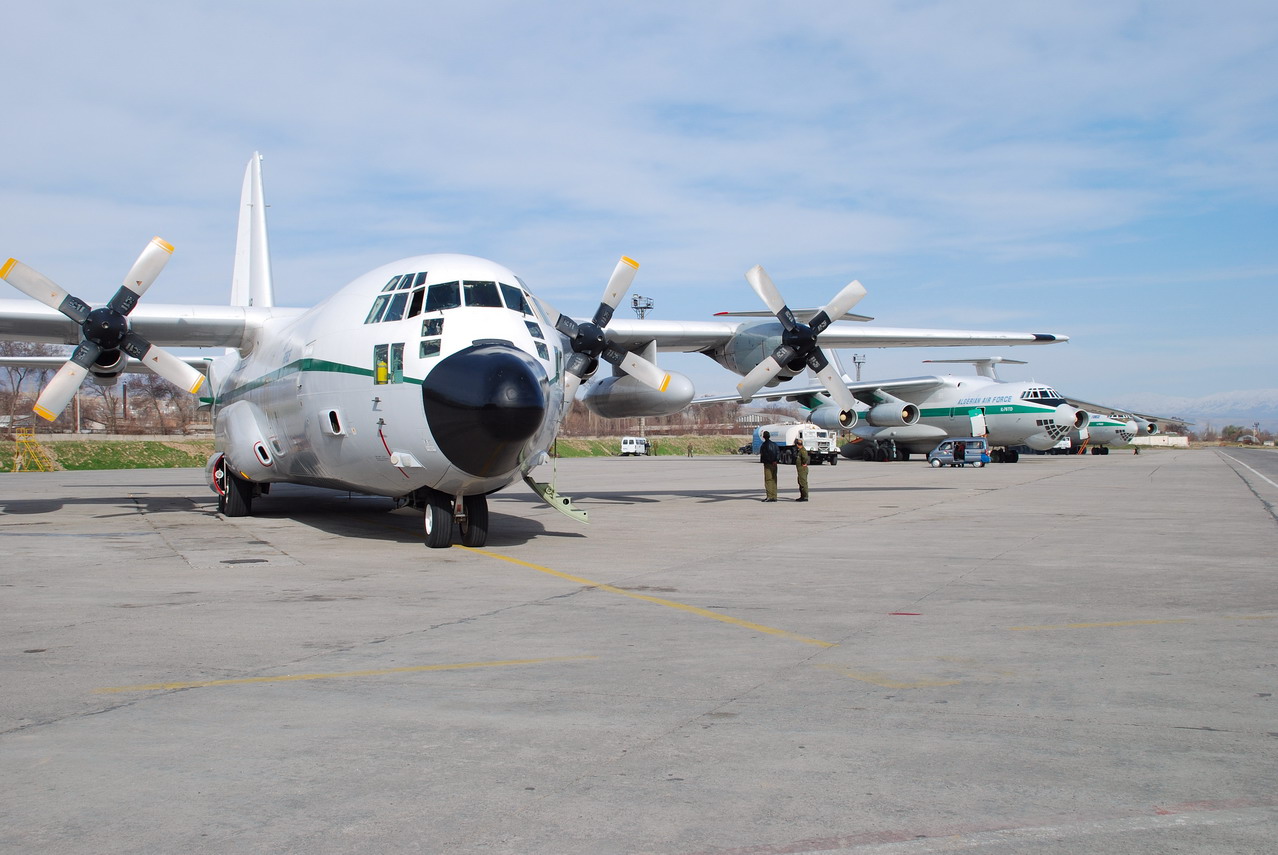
{"x": 1071, "y": 417}
{"x": 895, "y": 413}
{"x": 625, "y": 397}
{"x": 1146, "y": 428}
{"x": 831, "y": 417}
{"x": 242, "y": 435}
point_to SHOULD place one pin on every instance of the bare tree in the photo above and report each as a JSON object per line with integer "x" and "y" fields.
{"x": 16, "y": 376}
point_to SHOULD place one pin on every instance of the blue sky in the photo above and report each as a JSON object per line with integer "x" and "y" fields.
{"x": 1106, "y": 170}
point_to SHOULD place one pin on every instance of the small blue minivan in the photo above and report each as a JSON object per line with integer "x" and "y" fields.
{"x": 976, "y": 452}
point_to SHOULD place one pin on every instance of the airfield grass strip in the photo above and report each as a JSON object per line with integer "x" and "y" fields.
{"x": 181, "y": 453}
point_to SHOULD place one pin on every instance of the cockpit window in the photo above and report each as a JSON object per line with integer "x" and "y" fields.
{"x": 481, "y": 293}
{"x": 395, "y": 310}
{"x": 515, "y": 299}
{"x": 392, "y": 284}
{"x": 443, "y": 295}
{"x": 415, "y": 307}
{"x": 1043, "y": 395}
{"x": 375, "y": 313}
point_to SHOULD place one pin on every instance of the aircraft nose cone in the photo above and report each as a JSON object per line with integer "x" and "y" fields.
{"x": 483, "y": 403}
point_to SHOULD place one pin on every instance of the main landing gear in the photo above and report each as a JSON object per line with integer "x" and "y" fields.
{"x": 234, "y": 494}
{"x": 441, "y": 510}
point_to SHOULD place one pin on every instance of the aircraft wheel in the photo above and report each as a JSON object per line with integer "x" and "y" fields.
{"x": 237, "y": 500}
{"x": 834, "y": 460}
{"x": 1012, "y": 457}
{"x": 438, "y": 521}
{"x": 474, "y": 531}
{"x": 936, "y": 463}
{"x": 978, "y": 464}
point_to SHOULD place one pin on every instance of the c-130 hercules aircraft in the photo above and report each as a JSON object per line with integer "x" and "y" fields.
{"x": 435, "y": 380}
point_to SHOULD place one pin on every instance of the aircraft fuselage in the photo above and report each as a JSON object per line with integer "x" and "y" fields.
{"x": 435, "y": 371}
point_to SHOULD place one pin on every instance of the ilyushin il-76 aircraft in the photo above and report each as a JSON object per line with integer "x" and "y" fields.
{"x": 435, "y": 380}
{"x": 896, "y": 418}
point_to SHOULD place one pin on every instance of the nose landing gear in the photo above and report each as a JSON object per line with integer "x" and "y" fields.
{"x": 442, "y": 510}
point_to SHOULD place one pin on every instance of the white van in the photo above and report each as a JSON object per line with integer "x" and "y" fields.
{"x": 635, "y": 446}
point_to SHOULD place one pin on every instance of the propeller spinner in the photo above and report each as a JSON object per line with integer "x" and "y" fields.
{"x": 104, "y": 330}
{"x": 589, "y": 343}
{"x": 799, "y": 341}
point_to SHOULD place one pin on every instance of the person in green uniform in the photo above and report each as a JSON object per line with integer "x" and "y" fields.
{"x": 801, "y": 458}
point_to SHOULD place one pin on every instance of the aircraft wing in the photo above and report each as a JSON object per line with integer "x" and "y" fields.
{"x": 131, "y": 366}
{"x": 693, "y": 336}
{"x": 1105, "y": 408}
{"x": 163, "y": 325}
{"x": 863, "y": 391}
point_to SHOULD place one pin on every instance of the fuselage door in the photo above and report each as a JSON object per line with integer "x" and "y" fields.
{"x": 977, "y": 415}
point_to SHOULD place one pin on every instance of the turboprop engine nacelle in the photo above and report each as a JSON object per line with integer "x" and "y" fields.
{"x": 893, "y": 413}
{"x": 831, "y": 417}
{"x": 625, "y": 397}
{"x": 106, "y": 370}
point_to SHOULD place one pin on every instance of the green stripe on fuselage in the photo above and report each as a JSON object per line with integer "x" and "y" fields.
{"x": 299, "y": 366}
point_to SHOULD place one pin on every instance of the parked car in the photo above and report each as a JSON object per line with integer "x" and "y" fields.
{"x": 976, "y": 452}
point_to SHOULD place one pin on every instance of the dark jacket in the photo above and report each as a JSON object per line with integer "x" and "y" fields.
{"x": 768, "y": 452}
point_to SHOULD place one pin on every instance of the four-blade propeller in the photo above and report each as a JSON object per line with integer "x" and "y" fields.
{"x": 589, "y": 343}
{"x": 799, "y": 341}
{"x": 105, "y": 331}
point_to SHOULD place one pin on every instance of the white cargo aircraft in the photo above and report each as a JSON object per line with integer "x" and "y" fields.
{"x": 1109, "y": 428}
{"x": 435, "y": 379}
{"x": 897, "y": 418}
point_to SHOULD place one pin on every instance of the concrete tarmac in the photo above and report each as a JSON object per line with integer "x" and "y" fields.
{"x": 1065, "y": 655}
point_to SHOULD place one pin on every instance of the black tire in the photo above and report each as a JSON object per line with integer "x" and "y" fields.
{"x": 834, "y": 460}
{"x": 238, "y": 500}
{"x": 474, "y": 531}
{"x": 438, "y": 521}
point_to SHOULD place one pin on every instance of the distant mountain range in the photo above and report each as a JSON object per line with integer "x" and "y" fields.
{"x": 1243, "y": 408}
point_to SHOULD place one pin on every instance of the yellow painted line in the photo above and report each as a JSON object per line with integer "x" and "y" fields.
{"x": 336, "y": 675}
{"x": 684, "y": 607}
{"x": 1101, "y": 624}
{"x": 883, "y": 681}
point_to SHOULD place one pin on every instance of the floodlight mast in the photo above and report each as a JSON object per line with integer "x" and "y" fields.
{"x": 641, "y": 305}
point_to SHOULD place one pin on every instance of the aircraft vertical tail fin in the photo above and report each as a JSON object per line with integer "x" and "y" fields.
{"x": 251, "y": 278}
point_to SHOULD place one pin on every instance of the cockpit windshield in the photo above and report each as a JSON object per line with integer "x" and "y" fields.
{"x": 407, "y": 296}
{"x": 1043, "y": 395}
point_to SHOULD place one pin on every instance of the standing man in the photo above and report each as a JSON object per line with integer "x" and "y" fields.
{"x": 768, "y": 455}
{"x": 801, "y": 458}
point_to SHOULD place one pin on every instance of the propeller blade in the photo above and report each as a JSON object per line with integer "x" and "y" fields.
{"x": 61, "y": 389}
{"x": 839, "y": 306}
{"x": 571, "y": 382}
{"x": 37, "y": 286}
{"x": 762, "y": 284}
{"x": 618, "y": 284}
{"x": 141, "y": 275}
{"x": 566, "y": 325}
{"x": 758, "y": 377}
{"x": 833, "y": 383}
{"x": 163, "y": 363}
{"x": 641, "y": 369}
